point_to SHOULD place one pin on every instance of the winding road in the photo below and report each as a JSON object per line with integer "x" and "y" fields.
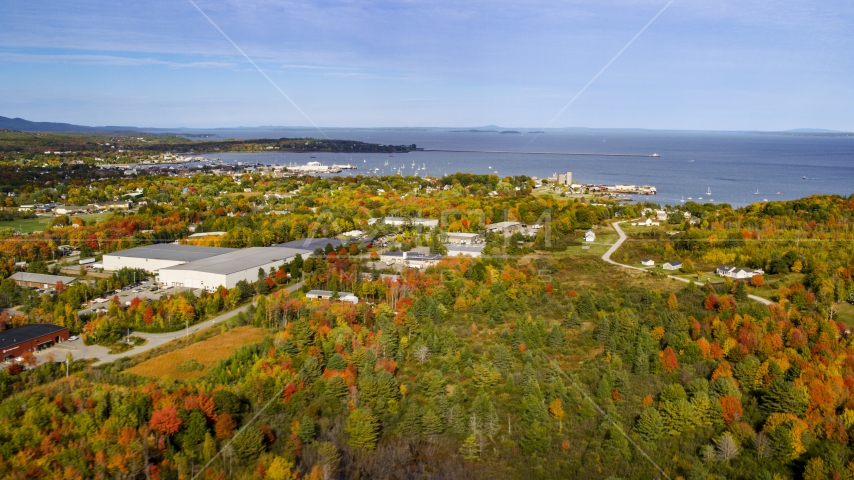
{"x": 607, "y": 257}
{"x": 153, "y": 340}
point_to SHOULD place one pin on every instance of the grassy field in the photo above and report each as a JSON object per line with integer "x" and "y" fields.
{"x": 844, "y": 313}
{"x": 41, "y": 223}
{"x": 28, "y": 225}
{"x": 207, "y": 353}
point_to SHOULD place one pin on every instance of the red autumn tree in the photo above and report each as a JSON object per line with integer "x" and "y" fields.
{"x": 165, "y": 421}
{"x": 224, "y": 427}
{"x": 731, "y": 408}
{"x": 668, "y": 360}
{"x": 711, "y": 302}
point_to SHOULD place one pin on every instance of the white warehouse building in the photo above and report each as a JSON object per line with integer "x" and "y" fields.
{"x": 228, "y": 269}
{"x": 152, "y": 258}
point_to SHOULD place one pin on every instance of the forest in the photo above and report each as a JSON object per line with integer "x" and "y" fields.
{"x": 536, "y": 360}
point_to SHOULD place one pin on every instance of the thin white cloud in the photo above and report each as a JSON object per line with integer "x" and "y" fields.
{"x": 109, "y": 60}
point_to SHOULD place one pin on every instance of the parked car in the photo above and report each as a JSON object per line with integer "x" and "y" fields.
{"x": 19, "y": 359}
{"x": 72, "y": 338}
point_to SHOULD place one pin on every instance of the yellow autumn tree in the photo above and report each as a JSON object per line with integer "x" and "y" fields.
{"x": 556, "y": 409}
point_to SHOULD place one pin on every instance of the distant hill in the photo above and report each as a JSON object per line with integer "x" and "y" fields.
{"x": 22, "y": 125}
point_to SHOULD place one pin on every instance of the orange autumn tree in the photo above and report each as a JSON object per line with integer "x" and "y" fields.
{"x": 668, "y": 360}
{"x": 165, "y": 421}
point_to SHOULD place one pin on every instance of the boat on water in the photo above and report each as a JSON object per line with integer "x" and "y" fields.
{"x": 683, "y": 200}
{"x": 764, "y": 199}
{"x": 656, "y": 155}
{"x": 709, "y": 191}
{"x": 779, "y": 193}
{"x": 691, "y": 161}
{"x": 689, "y": 198}
{"x": 805, "y": 177}
{"x": 757, "y": 192}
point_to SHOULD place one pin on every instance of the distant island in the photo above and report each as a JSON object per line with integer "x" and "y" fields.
{"x": 512, "y": 132}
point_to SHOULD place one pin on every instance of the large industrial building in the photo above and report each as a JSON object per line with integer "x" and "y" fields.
{"x": 311, "y": 244}
{"x": 229, "y": 268}
{"x": 30, "y": 338}
{"x": 40, "y": 280}
{"x": 153, "y": 258}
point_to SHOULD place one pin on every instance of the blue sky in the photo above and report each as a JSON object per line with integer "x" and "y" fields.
{"x": 719, "y": 65}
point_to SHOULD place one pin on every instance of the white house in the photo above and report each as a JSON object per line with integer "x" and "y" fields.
{"x": 473, "y": 251}
{"x": 735, "y": 272}
{"x": 328, "y": 295}
{"x": 463, "y": 238}
{"x": 589, "y": 236}
{"x": 648, "y": 263}
{"x": 673, "y": 265}
{"x": 410, "y": 259}
{"x": 504, "y": 228}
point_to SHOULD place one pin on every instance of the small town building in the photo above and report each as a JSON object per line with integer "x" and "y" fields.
{"x": 505, "y": 228}
{"x": 312, "y": 244}
{"x": 735, "y": 272}
{"x": 405, "y": 221}
{"x": 673, "y": 265}
{"x": 648, "y": 263}
{"x": 330, "y": 295}
{"x": 589, "y": 236}
{"x": 39, "y": 280}
{"x": 410, "y": 259}
{"x": 30, "y": 338}
{"x": 473, "y": 251}
{"x": 463, "y": 238}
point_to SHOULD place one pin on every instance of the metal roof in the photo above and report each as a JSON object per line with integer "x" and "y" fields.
{"x": 311, "y": 244}
{"x": 41, "y": 278}
{"x": 464, "y": 248}
{"x": 240, "y": 260}
{"x": 24, "y": 333}
{"x": 171, "y": 251}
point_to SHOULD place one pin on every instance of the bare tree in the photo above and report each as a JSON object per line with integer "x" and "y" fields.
{"x": 422, "y": 353}
{"x": 727, "y": 447}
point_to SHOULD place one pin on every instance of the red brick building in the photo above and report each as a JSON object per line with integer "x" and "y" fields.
{"x": 30, "y": 338}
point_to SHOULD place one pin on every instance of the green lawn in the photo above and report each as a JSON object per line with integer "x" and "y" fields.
{"x": 41, "y": 223}
{"x": 844, "y": 313}
{"x": 28, "y": 225}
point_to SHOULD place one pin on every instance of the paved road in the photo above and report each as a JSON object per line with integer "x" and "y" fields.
{"x": 614, "y": 247}
{"x": 154, "y": 340}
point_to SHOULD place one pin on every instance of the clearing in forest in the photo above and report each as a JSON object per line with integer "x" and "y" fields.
{"x": 194, "y": 360}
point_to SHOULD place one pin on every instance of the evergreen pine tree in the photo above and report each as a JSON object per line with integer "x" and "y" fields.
{"x": 470, "y": 449}
{"x": 431, "y": 423}
{"x": 650, "y": 425}
{"x": 782, "y": 397}
{"x": 336, "y": 362}
{"x": 307, "y": 429}
{"x": 248, "y": 444}
{"x": 536, "y": 439}
{"x": 555, "y": 338}
{"x": 362, "y": 429}
{"x": 310, "y": 369}
{"x": 410, "y": 424}
{"x": 603, "y": 330}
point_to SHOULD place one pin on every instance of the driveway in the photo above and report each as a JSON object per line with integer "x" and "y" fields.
{"x": 154, "y": 340}
{"x": 614, "y": 247}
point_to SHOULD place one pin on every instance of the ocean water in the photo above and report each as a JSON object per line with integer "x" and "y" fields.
{"x": 733, "y": 166}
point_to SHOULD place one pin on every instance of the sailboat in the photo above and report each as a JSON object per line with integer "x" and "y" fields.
{"x": 757, "y": 192}
{"x": 709, "y": 191}
{"x": 683, "y": 200}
